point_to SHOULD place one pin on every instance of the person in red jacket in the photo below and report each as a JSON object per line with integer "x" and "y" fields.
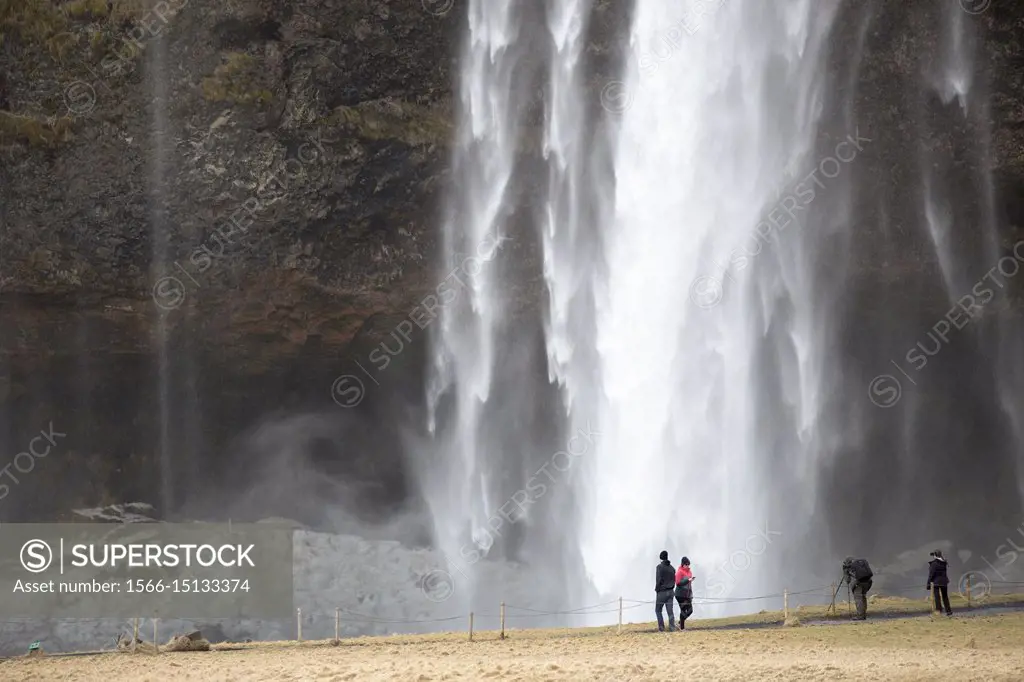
{"x": 684, "y": 591}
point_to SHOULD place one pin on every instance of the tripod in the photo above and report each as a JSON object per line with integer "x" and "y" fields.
{"x": 839, "y": 586}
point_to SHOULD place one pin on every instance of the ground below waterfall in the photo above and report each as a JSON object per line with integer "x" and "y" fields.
{"x": 977, "y": 648}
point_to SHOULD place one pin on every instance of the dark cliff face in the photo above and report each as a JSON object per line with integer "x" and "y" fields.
{"x": 262, "y": 180}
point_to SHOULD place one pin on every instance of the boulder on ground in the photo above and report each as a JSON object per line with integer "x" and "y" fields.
{"x": 125, "y": 645}
{"x": 193, "y": 641}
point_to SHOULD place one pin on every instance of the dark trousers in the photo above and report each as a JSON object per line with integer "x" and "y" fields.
{"x": 941, "y": 595}
{"x": 664, "y": 600}
{"x": 685, "y": 611}
{"x": 860, "y": 598}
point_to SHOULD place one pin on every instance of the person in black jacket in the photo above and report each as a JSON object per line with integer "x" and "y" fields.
{"x": 858, "y": 575}
{"x": 938, "y": 582}
{"x": 664, "y": 583}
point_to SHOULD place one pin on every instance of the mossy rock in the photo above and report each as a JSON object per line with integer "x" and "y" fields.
{"x": 31, "y": 21}
{"x": 101, "y": 44}
{"x": 126, "y": 10}
{"x": 239, "y": 80}
{"x": 60, "y": 44}
{"x": 87, "y": 9}
{"x": 389, "y": 119}
{"x": 33, "y": 131}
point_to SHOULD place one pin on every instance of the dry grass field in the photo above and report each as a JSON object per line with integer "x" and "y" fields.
{"x": 923, "y": 648}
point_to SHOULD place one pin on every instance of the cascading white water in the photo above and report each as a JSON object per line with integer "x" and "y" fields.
{"x": 568, "y": 267}
{"x": 713, "y": 119}
{"x": 456, "y": 486}
{"x": 691, "y": 341}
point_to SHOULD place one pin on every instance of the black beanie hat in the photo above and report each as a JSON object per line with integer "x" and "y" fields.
{"x": 664, "y": 555}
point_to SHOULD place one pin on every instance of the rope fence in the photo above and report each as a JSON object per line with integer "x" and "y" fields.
{"x": 624, "y": 604}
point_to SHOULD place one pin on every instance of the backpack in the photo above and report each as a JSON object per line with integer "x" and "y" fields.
{"x": 861, "y": 570}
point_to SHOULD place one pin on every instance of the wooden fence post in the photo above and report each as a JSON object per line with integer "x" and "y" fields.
{"x": 502, "y": 620}
{"x": 298, "y": 624}
{"x": 832, "y": 606}
{"x": 156, "y": 642}
{"x": 337, "y": 624}
{"x": 968, "y": 590}
{"x": 620, "y": 615}
{"x": 785, "y": 604}
{"x": 135, "y": 635}
{"x": 471, "y": 626}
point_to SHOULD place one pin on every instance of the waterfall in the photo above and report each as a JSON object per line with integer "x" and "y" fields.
{"x": 711, "y": 248}
{"x": 568, "y": 244}
{"x": 719, "y": 104}
{"x": 159, "y": 230}
{"x": 458, "y": 483}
